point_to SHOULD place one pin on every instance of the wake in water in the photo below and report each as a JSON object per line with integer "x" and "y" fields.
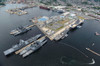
{"x": 69, "y": 61}
{"x": 93, "y": 62}
{"x": 74, "y": 48}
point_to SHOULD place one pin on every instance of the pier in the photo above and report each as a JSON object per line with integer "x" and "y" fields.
{"x": 13, "y": 32}
{"x": 20, "y": 11}
{"x": 56, "y": 27}
{"x": 17, "y": 52}
{"x": 59, "y": 31}
{"x": 17, "y": 12}
{"x": 30, "y": 26}
{"x": 93, "y": 51}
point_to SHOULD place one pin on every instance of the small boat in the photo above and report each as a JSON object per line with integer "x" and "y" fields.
{"x": 79, "y": 26}
{"x": 66, "y": 35}
{"x": 93, "y": 44}
{"x": 97, "y": 33}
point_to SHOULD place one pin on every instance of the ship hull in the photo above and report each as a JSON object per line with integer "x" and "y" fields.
{"x": 21, "y": 44}
{"x": 42, "y": 7}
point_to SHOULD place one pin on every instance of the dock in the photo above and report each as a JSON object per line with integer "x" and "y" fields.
{"x": 30, "y": 26}
{"x": 93, "y": 51}
{"x": 57, "y": 34}
{"x": 17, "y": 52}
{"x": 17, "y": 12}
{"x": 56, "y": 27}
{"x": 13, "y": 32}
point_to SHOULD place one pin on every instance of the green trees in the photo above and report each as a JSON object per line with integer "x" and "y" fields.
{"x": 85, "y": 3}
{"x": 68, "y": 4}
{"x": 2, "y": 2}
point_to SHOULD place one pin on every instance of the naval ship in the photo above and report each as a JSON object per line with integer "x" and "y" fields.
{"x": 21, "y": 44}
{"x": 32, "y": 48}
{"x": 20, "y": 30}
{"x": 29, "y": 47}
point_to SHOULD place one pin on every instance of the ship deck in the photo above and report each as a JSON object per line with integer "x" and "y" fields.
{"x": 26, "y": 28}
{"x": 17, "y": 52}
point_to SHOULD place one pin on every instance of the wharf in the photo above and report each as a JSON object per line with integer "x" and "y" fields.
{"x": 56, "y": 27}
{"x": 57, "y": 33}
{"x": 17, "y": 52}
{"x": 17, "y": 12}
{"x": 30, "y": 26}
{"x": 13, "y": 32}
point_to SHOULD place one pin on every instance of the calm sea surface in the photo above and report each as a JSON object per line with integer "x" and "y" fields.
{"x": 70, "y": 51}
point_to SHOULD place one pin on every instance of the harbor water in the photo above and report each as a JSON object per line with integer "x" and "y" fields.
{"x": 71, "y": 51}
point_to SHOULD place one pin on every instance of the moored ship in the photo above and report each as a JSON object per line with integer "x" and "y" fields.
{"x": 38, "y": 44}
{"x": 21, "y": 44}
{"x": 43, "y": 7}
{"x": 20, "y": 30}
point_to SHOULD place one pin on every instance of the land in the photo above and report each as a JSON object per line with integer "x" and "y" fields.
{"x": 2, "y": 4}
{"x": 20, "y": 11}
{"x": 56, "y": 27}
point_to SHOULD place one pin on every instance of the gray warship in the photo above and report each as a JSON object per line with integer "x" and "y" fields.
{"x": 21, "y": 44}
{"x": 38, "y": 44}
{"x": 20, "y": 30}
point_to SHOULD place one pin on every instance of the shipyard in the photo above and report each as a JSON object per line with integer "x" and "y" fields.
{"x": 54, "y": 27}
{"x": 57, "y": 27}
{"x": 49, "y": 33}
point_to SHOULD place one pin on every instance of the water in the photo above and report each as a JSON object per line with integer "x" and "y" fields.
{"x": 61, "y": 53}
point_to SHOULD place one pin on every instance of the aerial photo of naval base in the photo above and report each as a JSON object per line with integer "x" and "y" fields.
{"x": 49, "y": 32}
